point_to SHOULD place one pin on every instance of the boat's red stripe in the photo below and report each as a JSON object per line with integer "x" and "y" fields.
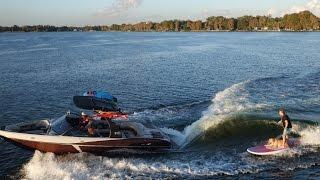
{"x": 90, "y": 146}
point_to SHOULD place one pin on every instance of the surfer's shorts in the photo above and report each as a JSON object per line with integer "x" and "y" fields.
{"x": 286, "y": 131}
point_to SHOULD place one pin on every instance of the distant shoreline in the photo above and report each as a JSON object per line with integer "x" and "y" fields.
{"x": 222, "y": 31}
{"x": 303, "y": 21}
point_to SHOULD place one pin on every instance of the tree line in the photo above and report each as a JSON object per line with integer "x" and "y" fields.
{"x": 302, "y": 21}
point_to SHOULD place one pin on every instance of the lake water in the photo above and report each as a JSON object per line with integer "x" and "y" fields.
{"x": 216, "y": 94}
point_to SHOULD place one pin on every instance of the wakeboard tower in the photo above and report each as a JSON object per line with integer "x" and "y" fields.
{"x": 103, "y": 104}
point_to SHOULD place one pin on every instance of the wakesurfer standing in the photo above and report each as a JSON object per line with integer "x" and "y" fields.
{"x": 286, "y": 122}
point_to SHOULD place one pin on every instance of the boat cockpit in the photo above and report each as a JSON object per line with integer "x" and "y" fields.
{"x": 69, "y": 125}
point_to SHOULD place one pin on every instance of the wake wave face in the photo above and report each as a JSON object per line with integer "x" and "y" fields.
{"x": 226, "y": 103}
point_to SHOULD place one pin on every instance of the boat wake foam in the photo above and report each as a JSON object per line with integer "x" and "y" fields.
{"x": 87, "y": 166}
{"x": 310, "y": 135}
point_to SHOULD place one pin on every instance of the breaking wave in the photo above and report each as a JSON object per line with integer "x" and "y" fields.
{"x": 225, "y": 104}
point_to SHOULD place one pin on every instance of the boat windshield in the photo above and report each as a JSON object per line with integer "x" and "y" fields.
{"x": 59, "y": 126}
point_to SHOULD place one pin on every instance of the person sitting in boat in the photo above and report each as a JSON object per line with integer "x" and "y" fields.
{"x": 91, "y": 131}
{"x": 286, "y": 122}
{"x": 98, "y": 128}
{"x": 84, "y": 121}
{"x": 90, "y": 93}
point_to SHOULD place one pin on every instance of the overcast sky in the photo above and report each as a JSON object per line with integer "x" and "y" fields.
{"x": 96, "y": 12}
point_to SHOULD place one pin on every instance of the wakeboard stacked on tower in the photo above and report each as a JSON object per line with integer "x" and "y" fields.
{"x": 102, "y": 103}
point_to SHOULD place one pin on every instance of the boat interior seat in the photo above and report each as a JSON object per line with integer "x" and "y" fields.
{"x": 73, "y": 119}
{"x": 136, "y": 128}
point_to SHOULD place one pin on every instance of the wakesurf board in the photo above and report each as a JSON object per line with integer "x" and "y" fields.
{"x": 263, "y": 150}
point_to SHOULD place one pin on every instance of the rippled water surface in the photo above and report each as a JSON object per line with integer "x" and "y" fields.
{"x": 215, "y": 94}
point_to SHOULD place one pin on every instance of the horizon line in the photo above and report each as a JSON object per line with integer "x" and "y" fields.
{"x": 159, "y": 21}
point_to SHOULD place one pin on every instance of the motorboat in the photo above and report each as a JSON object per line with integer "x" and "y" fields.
{"x": 66, "y": 135}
